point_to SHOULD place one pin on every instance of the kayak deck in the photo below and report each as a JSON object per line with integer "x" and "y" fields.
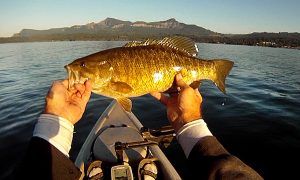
{"x": 116, "y": 116}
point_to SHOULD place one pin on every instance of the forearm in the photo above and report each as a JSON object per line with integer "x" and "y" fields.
{"x": 47, "y": 153}
{"x": 56, "y": 130}
{"x": 208, "y": 159}
{"x": 212, "y": 161}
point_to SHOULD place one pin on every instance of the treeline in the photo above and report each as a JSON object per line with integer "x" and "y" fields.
{"x": 287, "y": 40}
{"x": 63, "y": 37}
{"x": 109, "y": 36}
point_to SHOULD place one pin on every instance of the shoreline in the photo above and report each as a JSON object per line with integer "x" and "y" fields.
{"x": 78, "y": 40}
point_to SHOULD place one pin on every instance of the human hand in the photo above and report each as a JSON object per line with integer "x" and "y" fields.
{"x": 184, "y": 107}
{"x": 69, "y": 104}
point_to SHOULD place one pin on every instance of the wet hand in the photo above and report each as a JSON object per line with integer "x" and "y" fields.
{"x": 69, "y": 104}
{"x": 182, "y": 107}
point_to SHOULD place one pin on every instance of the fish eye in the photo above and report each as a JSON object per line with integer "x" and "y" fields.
{"x": 82, "y": 64}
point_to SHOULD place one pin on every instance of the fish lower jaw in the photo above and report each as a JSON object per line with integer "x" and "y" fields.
{"x": 81, "y": 80}
{"x": 75, "y": 78}
{"x": 71, "y": 84}
{"x": 77, "y": 81}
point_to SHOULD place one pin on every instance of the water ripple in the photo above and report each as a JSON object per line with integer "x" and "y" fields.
{"x": 259, "y": 113}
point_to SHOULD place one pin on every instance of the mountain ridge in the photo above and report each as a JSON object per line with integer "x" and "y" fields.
{"x": 172, "y": 26}
{"x": 115, "y": 29}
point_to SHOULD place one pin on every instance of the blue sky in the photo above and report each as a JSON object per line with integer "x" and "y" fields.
{"x": 224, "y": 16}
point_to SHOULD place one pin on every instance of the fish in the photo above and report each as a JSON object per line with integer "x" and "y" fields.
{"x": 141, "y": 67}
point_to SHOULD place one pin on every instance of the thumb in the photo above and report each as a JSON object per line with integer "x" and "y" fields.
{"x": 88, "y": 91}
{"x": 180, "y": 83}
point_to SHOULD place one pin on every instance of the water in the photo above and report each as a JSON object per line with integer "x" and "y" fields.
{"x": 257, "y": 120}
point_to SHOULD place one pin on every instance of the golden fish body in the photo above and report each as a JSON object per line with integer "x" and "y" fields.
{"x": 138, "y": 68}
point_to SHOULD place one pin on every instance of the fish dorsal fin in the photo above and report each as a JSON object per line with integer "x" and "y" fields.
{"x": 180, "y": 43}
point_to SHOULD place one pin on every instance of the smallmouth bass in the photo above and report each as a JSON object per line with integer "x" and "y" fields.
{"x": 138, "y": 68}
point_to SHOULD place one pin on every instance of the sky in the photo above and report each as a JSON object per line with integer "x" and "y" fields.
{"x": 223, "y": 16}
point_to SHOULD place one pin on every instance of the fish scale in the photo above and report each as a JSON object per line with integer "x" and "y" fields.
{"x": 146, "y": 68}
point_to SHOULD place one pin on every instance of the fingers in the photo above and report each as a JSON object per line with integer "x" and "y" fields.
{"x": 65, "y": 82}
{"x": 174, "y": 94}
{"x": 80, "y": 88}
{"x": 160, "y": 96}
{"x": 88, "y": 85}
{"x": 180, "y": 83}
{"x": 197, "y": 92}
{"x": 88, "y": 91}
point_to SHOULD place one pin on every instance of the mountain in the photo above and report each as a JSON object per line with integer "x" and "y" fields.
{"x": 115, "y": 29}
{"x": 111, "y": 28}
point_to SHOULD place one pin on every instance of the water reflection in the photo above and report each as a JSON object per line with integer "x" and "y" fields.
{"x": 257, "y": 120}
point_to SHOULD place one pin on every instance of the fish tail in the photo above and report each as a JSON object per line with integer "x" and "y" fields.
{"x": 222, "y": 68}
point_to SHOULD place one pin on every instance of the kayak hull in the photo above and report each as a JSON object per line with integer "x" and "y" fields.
{"x": 115, "y": 115}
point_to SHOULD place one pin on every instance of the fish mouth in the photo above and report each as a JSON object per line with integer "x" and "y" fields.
{"x": 73, "y": 77}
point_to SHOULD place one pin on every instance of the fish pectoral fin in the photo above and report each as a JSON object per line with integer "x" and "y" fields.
{"x": 125, "y": 103}
{"x": 120, "y": 87}
{"x": 195, "y": 84}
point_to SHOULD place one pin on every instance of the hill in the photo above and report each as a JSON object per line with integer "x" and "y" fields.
{"x": 114, "y": 29}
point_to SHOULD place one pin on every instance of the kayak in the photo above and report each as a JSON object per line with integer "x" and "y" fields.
{"x": 118, "y": 139}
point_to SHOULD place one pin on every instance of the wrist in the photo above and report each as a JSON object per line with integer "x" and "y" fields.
{"x": 180, "y": 122}
{"x": 185, "y": 119}
{"x": 189, "y": 134}
{"x": 55, "y": 110}
{"x": 60, "y": 112}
